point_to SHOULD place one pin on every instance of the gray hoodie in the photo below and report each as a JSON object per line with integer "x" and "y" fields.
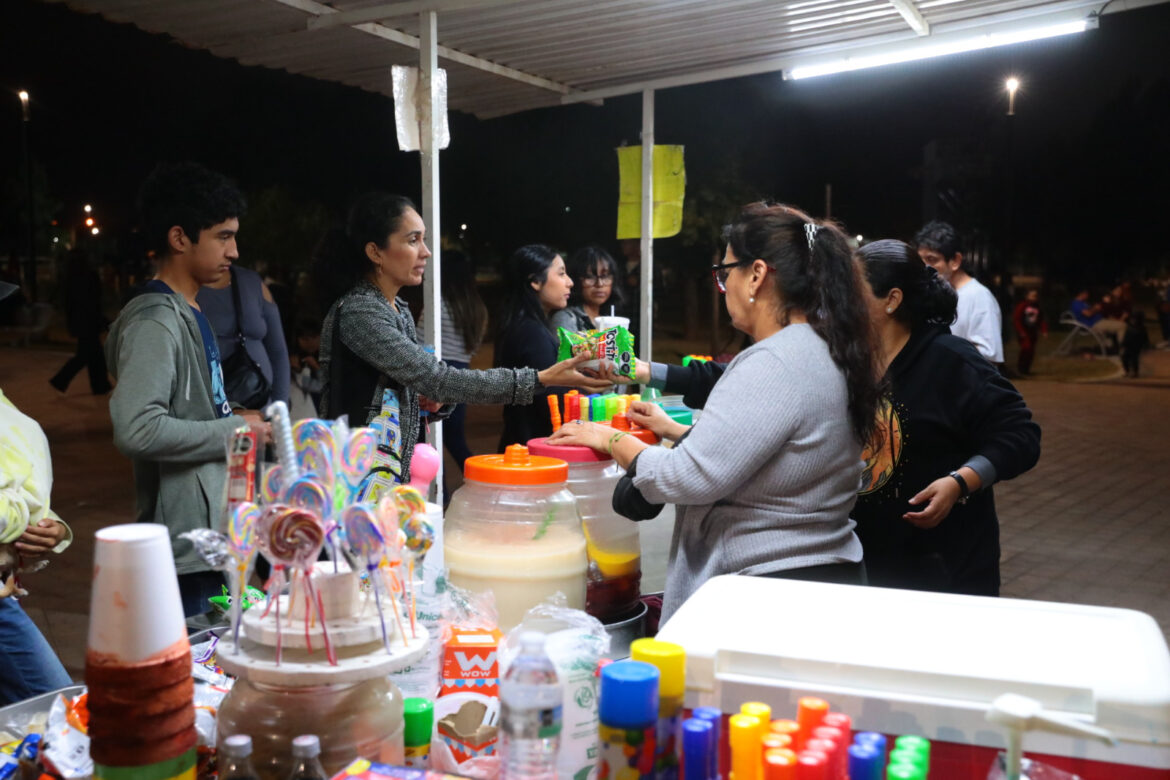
{"x": 165, "y": 420}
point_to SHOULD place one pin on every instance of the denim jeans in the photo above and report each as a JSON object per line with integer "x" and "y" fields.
{"x": 28, "y": 665}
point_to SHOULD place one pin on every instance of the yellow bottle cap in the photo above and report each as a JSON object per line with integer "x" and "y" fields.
{"x": 759, "y": 710}
{"x": 747, "y": 758}
{"x": 671, "y": 661}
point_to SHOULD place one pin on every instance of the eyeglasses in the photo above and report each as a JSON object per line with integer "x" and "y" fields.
{"x": 597, "y": 281}
{"x": 719, "y": 273}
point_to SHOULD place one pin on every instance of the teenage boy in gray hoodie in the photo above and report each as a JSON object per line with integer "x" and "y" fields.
{"x": 170, "y": 413}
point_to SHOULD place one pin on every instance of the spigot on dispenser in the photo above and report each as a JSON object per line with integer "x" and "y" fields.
{"x": 1019, "y": 714}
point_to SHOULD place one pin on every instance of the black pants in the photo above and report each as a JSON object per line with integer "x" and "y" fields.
{"x": 833, "y": 573}
{"x": 89, "y": 355}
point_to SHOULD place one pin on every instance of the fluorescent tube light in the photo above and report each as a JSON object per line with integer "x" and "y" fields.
{"x": 928, "y": 50}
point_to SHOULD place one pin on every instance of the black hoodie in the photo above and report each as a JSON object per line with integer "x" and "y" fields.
{"x": 946, "y": 405}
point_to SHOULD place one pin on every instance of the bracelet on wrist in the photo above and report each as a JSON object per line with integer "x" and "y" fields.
{"x": 964, "y": 491}
{"x": 614, "y": 440}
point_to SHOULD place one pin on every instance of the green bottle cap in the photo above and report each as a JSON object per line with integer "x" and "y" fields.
{"x": 901, "y": 755}
{"x": 419, "y": 715}
{"x": 905, "y": 772}
{"x": 912, "y": 742}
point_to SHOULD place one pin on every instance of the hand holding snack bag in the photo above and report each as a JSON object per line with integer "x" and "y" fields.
{"x": 612, "y": 345}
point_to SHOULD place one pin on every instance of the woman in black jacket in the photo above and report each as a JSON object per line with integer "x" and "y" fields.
{"x": 536, "y": 285}
{"x": 950, "y": 427}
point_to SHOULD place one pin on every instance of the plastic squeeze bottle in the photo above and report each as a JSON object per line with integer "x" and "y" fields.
{"x": 671, "y": 662}
{"x": 629, "y": 721}
{"x": 419, "y": 717}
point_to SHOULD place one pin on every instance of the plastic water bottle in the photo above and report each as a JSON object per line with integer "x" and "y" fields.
{"x": 306, "y": 750}
{"x": 530, "y": 713}
{"x": 234, "y": 759}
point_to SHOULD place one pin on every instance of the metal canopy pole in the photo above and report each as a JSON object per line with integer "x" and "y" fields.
{"x": 428, "y": 145}
{"x": 645, "y": 322}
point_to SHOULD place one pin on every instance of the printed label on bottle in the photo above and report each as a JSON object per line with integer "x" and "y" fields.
{"x": 666, "y": 754}
{"x": 181, "y": 768}
{"x": 627, "y": 754}
{"x": 550, "y": 723}
{"x": 418, "y": 756}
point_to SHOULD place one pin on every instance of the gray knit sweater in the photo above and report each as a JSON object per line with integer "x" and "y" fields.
{"x": 767, "y": 477}
{"x": 386, "y": 340}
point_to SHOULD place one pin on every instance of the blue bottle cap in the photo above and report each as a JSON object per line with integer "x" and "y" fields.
{"x": 865, "y": 762}
{"x": 629, "y": 695}
{"x": 877, "y": 741}
{"x": 698, "y": 743}
{"x": 714, "y": 716}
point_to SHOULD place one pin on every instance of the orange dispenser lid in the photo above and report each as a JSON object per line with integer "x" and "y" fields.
{"x": 622, "y": 423}
{"x": 516, "y": 467}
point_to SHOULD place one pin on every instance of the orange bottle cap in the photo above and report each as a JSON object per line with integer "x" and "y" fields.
{"x": 516, "y": 467}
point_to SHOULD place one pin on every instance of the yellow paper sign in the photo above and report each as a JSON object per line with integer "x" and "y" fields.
{"x": 670, "y": 183}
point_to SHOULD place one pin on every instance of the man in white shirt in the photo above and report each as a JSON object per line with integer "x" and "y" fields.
{"x": 979, "y": 319}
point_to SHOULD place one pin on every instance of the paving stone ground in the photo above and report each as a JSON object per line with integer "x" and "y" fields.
{"x": 1088, "y": 525}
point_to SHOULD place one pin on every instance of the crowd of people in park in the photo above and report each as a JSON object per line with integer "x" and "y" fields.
{"x": 872, "y": 390}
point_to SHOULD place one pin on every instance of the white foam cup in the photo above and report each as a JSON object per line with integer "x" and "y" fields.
{"x": 604, "y": 323}
{"x": 135, "y": 610}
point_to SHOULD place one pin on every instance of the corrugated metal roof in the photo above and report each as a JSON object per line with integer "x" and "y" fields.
{"x": 565, "y": 46}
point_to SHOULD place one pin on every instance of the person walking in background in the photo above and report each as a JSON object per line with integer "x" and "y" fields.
{"x": 596, "y": 289}
{"x": 979, "y": 319}
{"x": 1030, "y": 326}
{"x": 464, "y": 323}
{"x": 86, "y": 323}
{"x": 1133, "y": 342}
{"x": 250, "y": 336}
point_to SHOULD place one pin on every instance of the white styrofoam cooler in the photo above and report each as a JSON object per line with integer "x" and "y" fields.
{"x": 909, "y": 662}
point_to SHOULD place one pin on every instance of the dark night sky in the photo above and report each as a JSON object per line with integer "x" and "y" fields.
{"x": 1088, "y": 148}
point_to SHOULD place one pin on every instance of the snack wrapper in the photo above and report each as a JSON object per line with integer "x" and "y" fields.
{"x": 615, "y": 345}
{"x": 361, "y": 769}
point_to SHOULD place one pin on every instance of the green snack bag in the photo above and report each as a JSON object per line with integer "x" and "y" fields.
{"x": 615, "y": 345}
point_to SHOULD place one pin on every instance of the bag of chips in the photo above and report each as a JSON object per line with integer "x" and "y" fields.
{"x": 615, "y": 345}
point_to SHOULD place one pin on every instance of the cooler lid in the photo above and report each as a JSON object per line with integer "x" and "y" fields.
{"x": 516, "y": 467}
{"x": 1106, "y": 666}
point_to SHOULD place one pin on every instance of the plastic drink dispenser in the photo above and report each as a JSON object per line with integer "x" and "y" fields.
{"x": 513, "y": 528}
{"x": 613, "y": 543}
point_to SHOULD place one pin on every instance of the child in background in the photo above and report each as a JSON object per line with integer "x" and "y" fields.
{"x": 1030, "y": 325}
{"x": 1133, "y": 342}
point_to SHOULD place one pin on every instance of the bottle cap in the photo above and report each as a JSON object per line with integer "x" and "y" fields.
{"x": 531, "y": 642}
{"x": 743, "y": 734}
{"x": 779, "y": 764}
{"x": 306, "y": 746}
{"x": 515, "y": 467}
{"x": 774, "y": 741}
{"x": 237, "y": 746}
{"x": 839, "y": 720}
{"x": 904, "y": 772}
{"x": 908, "y": 756}
{"x": 419, "y": 717}
{"x": 812, "y": 765}
{"x": 698, "y": 743}
{"x": 872, "y": 738}
{"x": 865, "y": 763}
{"x": 629, "y": 695}
{"x": 759, "y": 709}
{"x": 913, "y": 742}
{"x": 785, "y": 726}
{"x": 671, "y": 661}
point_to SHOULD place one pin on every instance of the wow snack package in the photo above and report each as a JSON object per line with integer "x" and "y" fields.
{"x": 615, "y": 345}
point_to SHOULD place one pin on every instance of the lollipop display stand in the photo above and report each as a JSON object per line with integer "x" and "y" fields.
{"x": 352, "y": 705}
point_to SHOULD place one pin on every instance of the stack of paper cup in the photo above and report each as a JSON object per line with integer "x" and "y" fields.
{"x": 138, "y": 664}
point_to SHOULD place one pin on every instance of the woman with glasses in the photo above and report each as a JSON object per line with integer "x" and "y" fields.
{"x": 595, "y": 289}
{"x": 764, "y": 482}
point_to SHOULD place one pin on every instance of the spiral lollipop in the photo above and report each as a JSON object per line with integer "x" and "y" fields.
{"x": 412, "y": 519}
{"x": 271, "y": 488}
{"x": 242, "y": 544}
{"x": 364, "y": 538}
{"x": 291, "y": 538}
{"x": 315, "y": 448}
{"x": 310, "y": 494}
{"x": 356, "y": 458}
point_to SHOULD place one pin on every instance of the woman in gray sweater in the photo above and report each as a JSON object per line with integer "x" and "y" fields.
{"x": 765, "y": 481}
{"x": 368, "y": 340}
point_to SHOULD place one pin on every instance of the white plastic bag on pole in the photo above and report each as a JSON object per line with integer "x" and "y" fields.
{"x": 406, "y": 113}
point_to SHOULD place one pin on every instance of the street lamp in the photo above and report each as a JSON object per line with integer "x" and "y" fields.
{"x": 24, "y": 104}
{"x": 1012, "y": 84}
{"x": 87, "y": 208}
{"x": 31, "y": 267}
{"x": 95, "y": 231}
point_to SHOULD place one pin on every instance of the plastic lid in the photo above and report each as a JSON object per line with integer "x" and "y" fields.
{"x": 237, "y": 746}
{"x": 698, "y": 743}
{"x": 516, "y": 467}
{"x": 419, "y": 716}
{"x": 785, "y": 726}
{"x": 759, "y": 709}
{"x": 572, "y": 453}
{"x": 905, "y": 772}
{"x": 913, "y": 742}
{"x": 671, "y": 661}
{"x": 909, "y": 756}
{"x": 865, "y": 763}
{"x": 306, "y": 746}
{"x": 642, "y": 434}
{"x": 839, "y": 720}
{"x": 812, "y": 765}
{"x": 629, "y": 695}
{"x": 873, "y": 739}
{"x": 779, "y": 764}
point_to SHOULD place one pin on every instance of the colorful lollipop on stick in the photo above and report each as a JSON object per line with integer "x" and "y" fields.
{"x": 270, "y": 484}
{"x": 282, "y": 434}
{"x": 315, "y": 448}
{"x": 355, "y": 459}
{"x": 242, "y": 543}
{"x": 364, "y": 538}
{"x": 291, "y": 539}
{"x": 418, "y": 535}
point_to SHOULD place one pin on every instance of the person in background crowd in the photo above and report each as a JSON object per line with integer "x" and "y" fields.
{"x": 86, "y": 323}
{"x": 536, "y": 286}
{"x": 258, "y": 321}
{"x": 29, "y": 530}
{"x": 368, "y": 339}
{"x": 764, "y": 482}
{"x": 464, "y": 324}
{"x": 305, "y": 388}
{"x": 1030, "y": 326}
{"x": 1135, "y": 340}
{"x": 950, "y": 428}
{"x": 979, "y": 319}
{"x": 596, "y": 289}
{"x": 170, "y": 412}
{"x": 1089, "y": 315}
